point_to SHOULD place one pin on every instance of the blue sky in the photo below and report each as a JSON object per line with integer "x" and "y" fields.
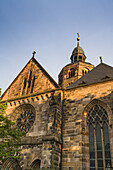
{"x": 49, "y": 27}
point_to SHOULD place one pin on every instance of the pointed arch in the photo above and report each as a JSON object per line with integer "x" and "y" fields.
{"x": 96, "y": 120}
{"x": 98, "y": 102}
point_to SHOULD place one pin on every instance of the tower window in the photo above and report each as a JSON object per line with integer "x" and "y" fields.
{"x": 75, "y": 58}
{"x": 83, "y": 59}
{"x": 80, "y": 58}
{"x": 82, "y": 72}
{"x": 72, "y": 72}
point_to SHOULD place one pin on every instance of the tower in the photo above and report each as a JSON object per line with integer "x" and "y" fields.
{"x": 76, "y": 69}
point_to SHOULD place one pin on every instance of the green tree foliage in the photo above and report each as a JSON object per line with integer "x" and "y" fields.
{"x": 10, "y": 136}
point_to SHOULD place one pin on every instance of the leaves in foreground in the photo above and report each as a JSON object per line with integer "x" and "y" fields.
{"x": 10, "y": 136}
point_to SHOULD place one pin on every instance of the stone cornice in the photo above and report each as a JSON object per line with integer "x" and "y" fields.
{"x": 32, "y": 95}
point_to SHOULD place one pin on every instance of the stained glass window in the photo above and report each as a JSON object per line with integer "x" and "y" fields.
{"x": 99, "y": 144}
{"x": 92, "y": 146}
{"x": 106, "y": 144}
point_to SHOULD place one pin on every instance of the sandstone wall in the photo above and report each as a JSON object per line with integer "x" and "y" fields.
{"x": 43, "y": 140}
{"x": 75, "y": 130}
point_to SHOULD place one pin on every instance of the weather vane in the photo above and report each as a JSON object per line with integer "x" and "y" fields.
{"x": 78, "y": 38}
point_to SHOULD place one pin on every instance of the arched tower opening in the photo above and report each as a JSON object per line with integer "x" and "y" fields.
{"x": 76, "y": 69}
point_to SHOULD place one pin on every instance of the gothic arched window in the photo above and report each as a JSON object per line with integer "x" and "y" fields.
{"x": 99, "y": 144}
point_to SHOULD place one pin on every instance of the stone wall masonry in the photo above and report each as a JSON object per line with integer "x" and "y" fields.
{"x": 75, "y": 130}
{"x": 29, "y": 154}
{"x": 43, "y": 141}
{"x": 79, "y": 67}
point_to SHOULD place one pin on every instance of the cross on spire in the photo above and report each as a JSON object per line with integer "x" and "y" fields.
{"x": 34, "y": 52}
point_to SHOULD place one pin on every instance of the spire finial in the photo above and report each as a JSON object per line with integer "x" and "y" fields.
{"x": 34, "y": 52}
{"x": 78, "y": 38}
{"x": 101, "y": 59}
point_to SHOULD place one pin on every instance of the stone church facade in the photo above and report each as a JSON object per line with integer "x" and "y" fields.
{"x": 69, "y": 125}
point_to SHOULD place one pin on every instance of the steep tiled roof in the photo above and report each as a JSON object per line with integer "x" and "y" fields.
{"x": 100, "y": 73}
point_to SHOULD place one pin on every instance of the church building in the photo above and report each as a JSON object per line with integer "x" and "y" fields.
{"x": 69, "y": 124}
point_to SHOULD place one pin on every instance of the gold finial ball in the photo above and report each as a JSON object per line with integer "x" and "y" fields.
{"x": 78, "y": 38}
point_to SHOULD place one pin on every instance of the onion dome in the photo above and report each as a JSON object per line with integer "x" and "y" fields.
{"x": 78, "y": 49}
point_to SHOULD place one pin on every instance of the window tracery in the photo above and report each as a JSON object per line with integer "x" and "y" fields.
{"x": 26, "y": 117}
{"x": 99, "y": 144}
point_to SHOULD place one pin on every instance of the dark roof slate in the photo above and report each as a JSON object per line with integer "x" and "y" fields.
{"x": 100, "y": 73}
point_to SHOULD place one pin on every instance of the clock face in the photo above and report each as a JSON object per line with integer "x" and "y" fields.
{"x": 26, "y": 117}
